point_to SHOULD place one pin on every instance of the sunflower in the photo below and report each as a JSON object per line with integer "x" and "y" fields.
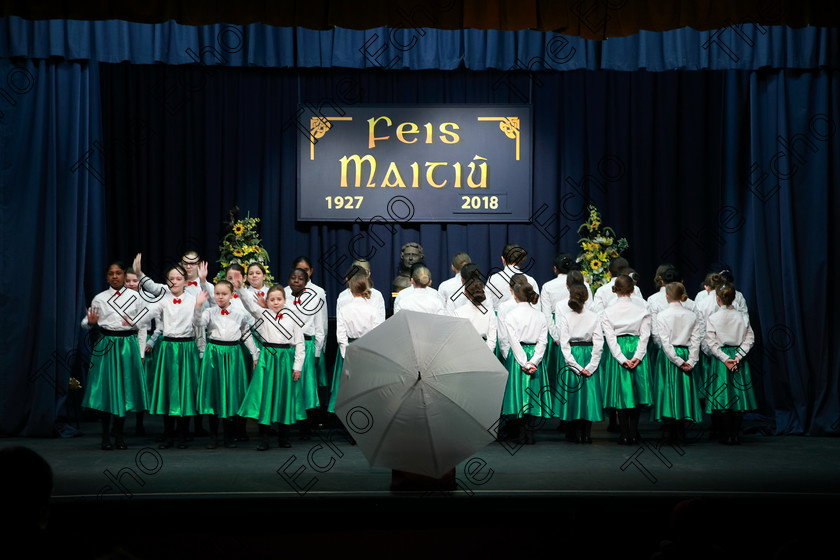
{"x": 238, "y": 252}
{"x": 238, "y": 229}
{"x": 597, "y": 266}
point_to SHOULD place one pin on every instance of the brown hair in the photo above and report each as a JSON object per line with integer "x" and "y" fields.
{"x": 726, "y": 293}
{"x": 475, "y": 292}
{"x": 574, "y": 277}
{"x": 525, "y": 292}
{"x": 658, "y": 281}
{"x": 225, "y": 283}
{"x": 675, "y": 291}
{"x": 275, "y": 288}
{"x": 617, "y": 265}
{"x": 359, "y": 286}
{"x": 517, "y": 278}
{"x": 623, "y": 285}
{"x": 578, "y": 294}
{"x": 513, "y": 254}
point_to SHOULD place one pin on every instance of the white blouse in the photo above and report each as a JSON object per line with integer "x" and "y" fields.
{"x": 626, "y": 318}
{"x": 346, "y": 296}
{"x": 354, "y": 320}
{"x": 523, "y": 323}
{"x": 425, "y": 300}
{"x": 499, "y": 283}
{"x": 280, "y": 328}
{"x": 115, "y": 307}
{"x": 729, "y": 327}
{"x": 581, "y": 327}
{"x": 228, "y": 325}
{"x": 605, "y": 297}
{"x": 678, "y": 326}
{"x": 309, "y": 311}
{"x": 484, "y": 323}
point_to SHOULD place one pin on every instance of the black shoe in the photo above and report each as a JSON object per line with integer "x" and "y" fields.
{"x": 263, "y": 446}
{"x": 166, "y": 444}
{"x": 120, "y": 444}
{"x": 106, "y": 445}
{"x": 182, "y": 444}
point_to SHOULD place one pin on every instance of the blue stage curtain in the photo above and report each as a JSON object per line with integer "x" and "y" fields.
{"x": 712, "y": 169}
{"x": 745, "y": 47}
{"x": 667, "y": 157}
{"x": 53, "y": 239}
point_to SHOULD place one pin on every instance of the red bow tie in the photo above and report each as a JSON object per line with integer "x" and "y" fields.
{"x": 176, "y": 300}
{"x": 192, "y": 283}
{"x": 297, "y": 301}
{"x": 235, "y": 296}
{"x": 261, "y": 294}
{"x": 116, "y": 294}
{"x": 225, "y": 312}
{"x": 279, "y": 316}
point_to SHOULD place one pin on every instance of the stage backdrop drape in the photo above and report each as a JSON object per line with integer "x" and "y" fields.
{"x": 674, "y": 160}
{"x": 719, "y": 168}
{"x": 746, "y": 47}
{"x": 54, "y": 238}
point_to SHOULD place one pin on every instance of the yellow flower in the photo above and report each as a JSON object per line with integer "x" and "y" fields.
{"x": 238, "y": 229}
{"x": 595, "y": 224}
{"x": 238, "y": 252}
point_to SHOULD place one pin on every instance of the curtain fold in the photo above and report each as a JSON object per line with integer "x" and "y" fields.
{"x": 745, "y": 47}
{"x": 53, "y": 241}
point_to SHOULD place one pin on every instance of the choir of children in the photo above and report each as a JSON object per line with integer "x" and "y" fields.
{"x": 612, "y": 351}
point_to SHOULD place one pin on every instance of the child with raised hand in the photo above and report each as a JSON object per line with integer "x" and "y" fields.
{"x": 275, "y": 393}
{"x": 581, "y": 341}
{"x": 729, "y": 389}
{"x": 175, "y": 377}
{"x": 626, "y": 381}
{"x": 222, "y": 379}
{"x": 116, "y": 381}
{"x": 143, "y": 324}
{"x": 675, "y": 396}
{"x": 527, "y": 394}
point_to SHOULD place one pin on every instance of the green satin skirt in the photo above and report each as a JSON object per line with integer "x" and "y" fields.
{"x": 525, "y": 394}
{"x": 116, "y": 381}
{"x": 623, "y": 388}
{"x": 702, "y": 376}
{"x": 339, "y": 365}
{"x": 578, "y": 397}
{"x": 175, "y": 378}
{"x": 554, "y": 362}
{"x": 309, "y": 378}
{"x": 222, "y": 380}
{"x": 321, "y": 369}
{"x": 727, "y": 391}
{"x": 675, "y": 396}
{"x": 273, "y": 396}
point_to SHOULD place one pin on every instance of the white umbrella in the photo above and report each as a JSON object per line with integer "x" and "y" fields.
{"x": 420, "y": 393}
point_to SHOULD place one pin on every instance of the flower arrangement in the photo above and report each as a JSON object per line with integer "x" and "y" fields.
{"x": 242, "y": 245}
{"x": 598, "y": 247}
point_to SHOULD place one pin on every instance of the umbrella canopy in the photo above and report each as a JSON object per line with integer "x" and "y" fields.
{"x": 420, "y": 393}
